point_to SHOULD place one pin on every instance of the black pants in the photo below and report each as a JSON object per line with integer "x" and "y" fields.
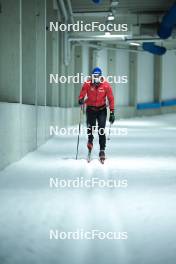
{"x": 92, "y": 117}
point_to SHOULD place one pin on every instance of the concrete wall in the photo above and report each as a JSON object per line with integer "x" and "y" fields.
{"x": 169, "y": 76}
{"x": 9, "y": 54}
{"x": 28, "y": 103}
{"x": 145, "y": 89}
{"x": 150, "y": 79}
{"x": 10, "y": 134}
{"x": 85, "y": 55}
{"x": 25, "y": 127}
{"x": 41, "y": 77}
{"x": 122, "y": 69}
{"x": 51, "y": 50}
{"x": 115, "y": 63}
{"x": 102, "y": 61}
{"x": 78, "y": 69}
{"x": 28, "y": 51}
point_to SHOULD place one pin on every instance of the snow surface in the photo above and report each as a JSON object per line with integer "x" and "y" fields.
{"x": 146, "y": 157}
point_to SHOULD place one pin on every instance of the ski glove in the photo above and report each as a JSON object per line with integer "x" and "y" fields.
{"x": 81, "y": 101}
{"x": 111, "y": 117}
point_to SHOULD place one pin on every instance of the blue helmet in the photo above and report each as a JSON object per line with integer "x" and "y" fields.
{"x": 97, "y": 70}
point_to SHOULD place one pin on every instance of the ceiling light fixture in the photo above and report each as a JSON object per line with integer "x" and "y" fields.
{"x": 134, "y": 44}
{"x": 111, "y": 17}
{"x": 110, "y": 36}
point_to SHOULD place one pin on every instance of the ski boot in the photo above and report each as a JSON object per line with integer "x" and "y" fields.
{"x": 102, "y": 156}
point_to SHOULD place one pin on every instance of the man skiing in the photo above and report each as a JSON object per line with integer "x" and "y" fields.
{"x": 97, "y": 89}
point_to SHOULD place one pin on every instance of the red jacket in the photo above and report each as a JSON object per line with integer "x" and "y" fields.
{"x": 96, "y": 95}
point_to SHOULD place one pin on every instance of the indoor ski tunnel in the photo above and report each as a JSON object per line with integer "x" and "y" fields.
{"x": 59, "y": 203}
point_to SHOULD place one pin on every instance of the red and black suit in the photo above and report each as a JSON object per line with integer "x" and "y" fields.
{"x": 96, "y": 107}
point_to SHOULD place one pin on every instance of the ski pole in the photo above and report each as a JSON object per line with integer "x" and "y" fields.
{"x": 80, "y": 119}
{"x": 109, "y": 131}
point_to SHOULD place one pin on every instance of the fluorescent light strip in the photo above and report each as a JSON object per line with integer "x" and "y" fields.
{"x": 111, "y": 17}
{"x": 107, "y": 35}
{"x": 134, "y": 44}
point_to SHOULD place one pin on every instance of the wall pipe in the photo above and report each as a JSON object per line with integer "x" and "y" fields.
{"x": 63, "y": 9}
{"x": 65, "y": 34}
{"x": 164, "y": 32}
{"x": 70, "y": 11}
{"x": 105, "y": 47}
{"x": 168, "y": 23}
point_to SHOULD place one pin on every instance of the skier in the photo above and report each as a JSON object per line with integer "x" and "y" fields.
{"x": 97, "y": 89}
